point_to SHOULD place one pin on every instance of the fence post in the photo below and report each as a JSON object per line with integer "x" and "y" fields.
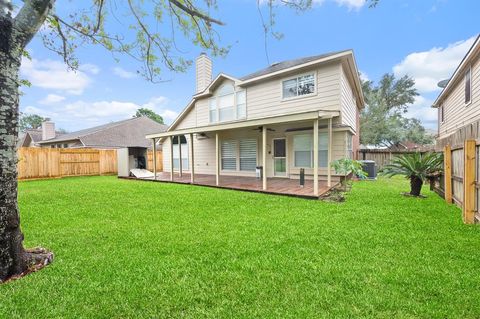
{"x": 447, "y": 171}
{"x": 469, "y": 182}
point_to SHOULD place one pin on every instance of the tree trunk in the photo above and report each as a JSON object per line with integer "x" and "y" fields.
{"x": 13, "y": 257}
{"x": 416, "y": 184}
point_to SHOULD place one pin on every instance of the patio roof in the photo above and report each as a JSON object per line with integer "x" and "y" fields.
{"x": 250, "y": 123}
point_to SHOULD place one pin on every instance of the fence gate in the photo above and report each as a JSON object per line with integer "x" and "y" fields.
{"x": 461, "y": 178}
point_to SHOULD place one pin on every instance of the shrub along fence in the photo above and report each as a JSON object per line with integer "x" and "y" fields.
{"x": 37, "y": 162}
{"x": 383, "y": 157}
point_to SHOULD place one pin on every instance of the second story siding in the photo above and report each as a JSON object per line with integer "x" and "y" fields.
{"x": 457, "y": 113}
{"x": 265, "y": 99}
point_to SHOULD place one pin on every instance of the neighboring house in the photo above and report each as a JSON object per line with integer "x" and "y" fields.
{"x": 410, "y": 146}
{"x": 292, "y": 115}
{"x": 32, "y": 137}
{"x": 126, "y": 133}
{"x": 459, "y": 102}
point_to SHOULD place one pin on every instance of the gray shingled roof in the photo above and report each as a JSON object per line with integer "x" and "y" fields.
{"x": 126, "y": 133}
{"x": 288, "y": 64}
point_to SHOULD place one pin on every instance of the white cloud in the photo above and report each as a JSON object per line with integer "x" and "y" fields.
{"x": 422, "y": 110}
{"x": 82, "y": 114}
{"x": 52, "y": 99}
{"x": 54, "y": 75}
{"x": 89, "y": 68}
{"x": 123, "y": 73}
{"x": 430, "y": 67}
{"x": 364, "y": 76}
{"x": 350, "y": 4}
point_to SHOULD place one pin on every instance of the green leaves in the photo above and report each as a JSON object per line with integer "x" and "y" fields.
{"x": 415, "y": 165}
{"x": 150, "y": 114}
{"x": 346, "y": 166}
{"x": 382, "y": 121}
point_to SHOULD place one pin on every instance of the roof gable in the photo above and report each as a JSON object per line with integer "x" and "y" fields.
{"x": 274, "y": 70}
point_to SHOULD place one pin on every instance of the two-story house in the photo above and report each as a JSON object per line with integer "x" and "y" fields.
{"x": 459, "y": 102}
{"x": 291, "y": 117}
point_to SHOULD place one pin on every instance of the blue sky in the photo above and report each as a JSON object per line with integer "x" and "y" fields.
{"x": 425, "y": 39}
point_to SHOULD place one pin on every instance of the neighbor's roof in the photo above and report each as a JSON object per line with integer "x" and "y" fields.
{"x": 126, "y": 133}
{"x": 34, "y": 134}
{"x": 473, "y": 52}
{"x": 288, "y": 64}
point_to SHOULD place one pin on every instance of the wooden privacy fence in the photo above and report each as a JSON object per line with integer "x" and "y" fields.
{"x": 55, "y": 162}
{"x": 462, "y": 178}
{"x": 37, "y": 162}
{"x": 383, "y": 157}
{"x": 159, "y": 161}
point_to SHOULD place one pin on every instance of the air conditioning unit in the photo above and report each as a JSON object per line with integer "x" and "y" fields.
{"x": 370, "y": 168}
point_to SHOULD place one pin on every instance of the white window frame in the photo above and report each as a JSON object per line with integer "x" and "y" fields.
{"x": 469, "y": 72}
{"x": 185, "y": 155}
{"x": 311, "y": 149}
{"x": 299, "y": 96}
{"x": 239, "y": 166}
{"x": 442, "y": 113}
{"x": 348, "y": 145}
{"x": 235, "y": 105}
{"x": 236, "y": 148}
{"x": 237, "y": 155}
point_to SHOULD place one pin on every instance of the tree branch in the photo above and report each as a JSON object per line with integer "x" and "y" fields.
{"x": 31, "y": 17}
{"x": 195, "y": 13}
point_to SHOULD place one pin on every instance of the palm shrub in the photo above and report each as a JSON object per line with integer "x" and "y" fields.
{"x": 416, "y": 167}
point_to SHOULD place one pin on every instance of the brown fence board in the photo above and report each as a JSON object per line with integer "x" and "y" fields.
{"x": 52, "y": 162}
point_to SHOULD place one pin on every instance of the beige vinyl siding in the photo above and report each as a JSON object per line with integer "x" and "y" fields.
{"x": 189, "y": 120}
{"x": 349, "y": 106}
{"x": 265, "y": 98}
{"x": 456, "y": 112}
{"x": 204, "y": 150}
{"x": 338, "y": 152}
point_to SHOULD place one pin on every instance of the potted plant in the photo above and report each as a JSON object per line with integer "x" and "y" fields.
{"x": 416, "y": 167}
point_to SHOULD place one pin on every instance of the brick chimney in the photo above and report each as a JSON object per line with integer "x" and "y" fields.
{"x": 48, "y": 129}
{"x": 203, "y": 74}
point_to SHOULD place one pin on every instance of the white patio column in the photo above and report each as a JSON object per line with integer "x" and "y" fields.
{"x": 154, "y": 158}
{"x": 180, "y": 155}
{"x": 264, "y": 156}
{"x": 171, "y": 158}
{"x": 192, "y": 161}
{"x": 330, "y": 143}
{"x": 217, "y": 159}
{"x": 315, "y": 157}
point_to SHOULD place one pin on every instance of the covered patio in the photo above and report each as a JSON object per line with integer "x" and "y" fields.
{"x": 312, "y": 187}
{"x": 279, "y": 186}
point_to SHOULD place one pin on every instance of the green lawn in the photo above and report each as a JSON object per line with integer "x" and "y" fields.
{"x": 129, "y": 249}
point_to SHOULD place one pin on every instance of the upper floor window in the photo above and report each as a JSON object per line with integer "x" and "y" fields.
{"x": 227, "y": 104}
{"x": 441, "y": 110}
{"x": 301, "y": 85}
{"x": 468, "y": 86}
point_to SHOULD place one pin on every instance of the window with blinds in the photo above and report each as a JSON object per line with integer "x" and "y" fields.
{"x": 229, "y": 155}
{"x": 302, "y": 148}
{"x": 248, "y": 154}
{"x": 323, "y": 149}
